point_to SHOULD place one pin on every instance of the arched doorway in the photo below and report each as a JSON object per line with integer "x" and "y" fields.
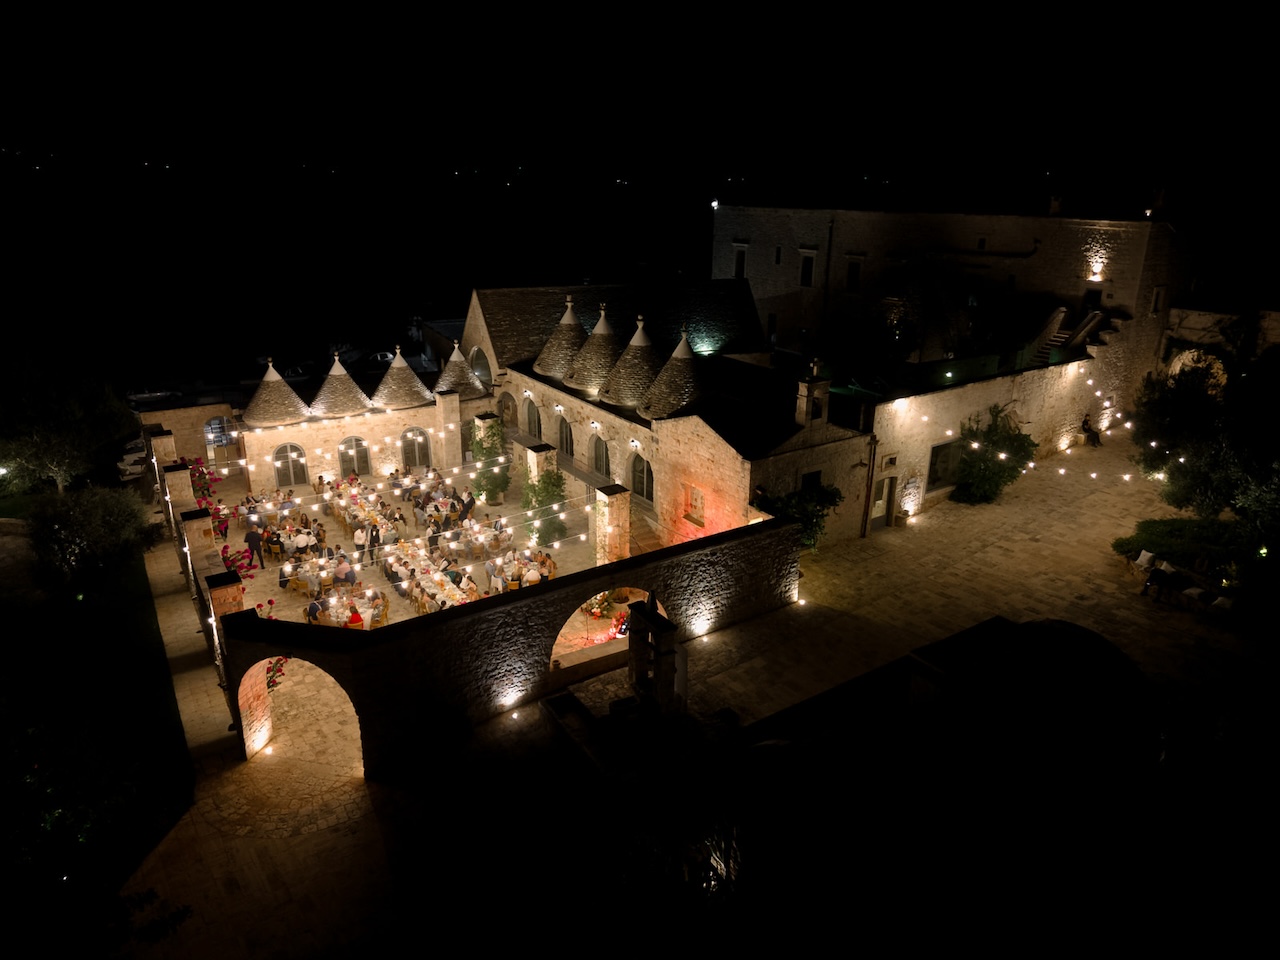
{"x": 532, "y": 419}
{"x": 507, "y": 410}
{"x": 415, "y": 449}
{"x": 641, "y": 478}
{"x": 600, "y": 457}
{"x": 564, "y": 430}
{"x": 292, "y": 710}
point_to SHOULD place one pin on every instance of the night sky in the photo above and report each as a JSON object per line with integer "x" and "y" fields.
{"x": 238, "y": 221}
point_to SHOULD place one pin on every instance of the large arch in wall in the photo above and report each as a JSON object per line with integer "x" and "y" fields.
{"x": 594, "y": 630}
{"x": 307, "y": 714}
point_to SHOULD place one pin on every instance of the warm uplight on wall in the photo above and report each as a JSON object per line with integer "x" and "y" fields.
{"x": 1096, "y": 276}
{"x": 635, "y": 444}
{"x": 528, "y": 393}
{"x": 558, "y": 408}
{"x": 595, "y": 425}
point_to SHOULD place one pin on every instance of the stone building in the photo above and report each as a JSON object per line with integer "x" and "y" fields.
{"x": 1085, "y": 316}
{"x": 667, "y": 392}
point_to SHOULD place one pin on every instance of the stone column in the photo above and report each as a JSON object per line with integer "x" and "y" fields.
{"x": 449, "y": 431}
{"x": 539, "y": 457}
{"x": 613, "y": 523}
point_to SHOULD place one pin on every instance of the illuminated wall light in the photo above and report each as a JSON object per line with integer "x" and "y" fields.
{"x": 1062, "y": 470}
{"x": 1097, "y": 393}
{"x": 973, "y": 444}
{"x": 1089, "y": 381}
{"x": 1127, "y": 476}
{"x": 595, "y": 425}
{"x": 900, "y": 403}
{"x": 950, "y": 432}
{"x": 1128, "y": 424}
{"x": 528, "y": 393}
{"x": 1093, "y": 476}
{"x": 924, "y": 419}
{"x": 558, "y": 408}
{"x": 948, "y": 374}
{"x": 635, "y": 444}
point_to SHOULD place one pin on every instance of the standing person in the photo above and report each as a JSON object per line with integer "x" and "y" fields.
{"x": 360, "y": 540}
{"x": 254, "y": 540}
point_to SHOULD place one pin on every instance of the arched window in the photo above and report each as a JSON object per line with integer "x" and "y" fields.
{"x": 600, "y": 456}
{"x": 532, "y": 419}
{"x": 222, "y": 450}
{"x": 480, "y": 364}
{"x": 641, "y": 478}
{"x": 353, "y": 457}
{"x": 415, "y": 448}
{"x": 565, "y": 430}
{"x": 291, "y": 466}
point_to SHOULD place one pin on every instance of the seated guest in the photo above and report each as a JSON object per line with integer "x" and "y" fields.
{"x": 354, "y": 619}
{"x": 344, "y": 571}
{"x": 403, "y": 585}
{"x": 531, "y": 576}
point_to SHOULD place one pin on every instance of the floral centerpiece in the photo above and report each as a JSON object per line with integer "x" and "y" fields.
{"x": 598, "y": 606}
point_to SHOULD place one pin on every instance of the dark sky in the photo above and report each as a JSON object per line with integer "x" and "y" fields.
{"x": 254, "y": 218}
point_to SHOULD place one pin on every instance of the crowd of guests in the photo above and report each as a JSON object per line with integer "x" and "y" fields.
{"x": 431, "y": 577}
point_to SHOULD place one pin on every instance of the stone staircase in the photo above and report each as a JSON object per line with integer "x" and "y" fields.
{"x": 644, "y": 529}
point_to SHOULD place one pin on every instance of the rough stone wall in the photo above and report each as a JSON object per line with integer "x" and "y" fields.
{"x": 1049, "y": 403}
{"x": 186, "y": 424}
{"x": 692, "y": 459}
{"x": 843, "y": 463}
{"x": 413, "y": 681}
{"x": 260, "y": 445}
{"x": 1041, "y": 254}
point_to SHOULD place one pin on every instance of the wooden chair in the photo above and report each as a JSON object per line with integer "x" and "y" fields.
{"x": 275, "y": 552}
{"x": 298, "y": 585}
{"x": 381, "y": 615}
{"x": 326, "y": 582}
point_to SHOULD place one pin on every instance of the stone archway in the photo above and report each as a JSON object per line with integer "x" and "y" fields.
{"x": 307, "y": 718}
{"x": 588, "y": 636}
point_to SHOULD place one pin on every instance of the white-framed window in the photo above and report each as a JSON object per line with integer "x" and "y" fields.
{"x": 353, "y": 457}
{"x": 415, "y": 448}
{"x": 291, "y": 466}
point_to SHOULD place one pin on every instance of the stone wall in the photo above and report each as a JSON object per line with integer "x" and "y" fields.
{"x": 1048, "y": 403}
{"x": 416, "y": 681}
{"x": 1053, "y": 255}
{"x": 187, "y": 425}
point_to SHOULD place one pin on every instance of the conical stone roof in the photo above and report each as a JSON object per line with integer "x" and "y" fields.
{"x": 400, "y": 387}
{"x": 676, "y": 385}
{"x": 562, "y": 346}
{"x": 634, "y": 372}
{"x": 339, "y": 396}
{"x": 274, "y": 403}
{"x": 590, "y": 368}
{"x": 458, "y": 376}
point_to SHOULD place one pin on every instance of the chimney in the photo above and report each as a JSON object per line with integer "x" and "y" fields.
{"x": 812, "y": 397}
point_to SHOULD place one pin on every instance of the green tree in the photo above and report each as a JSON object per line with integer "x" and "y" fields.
{"x": 808, "y": 507}
{"x": 545, "y": 497}
{"x": 57, "y": 436}
{"x": 1206, "y": 433}
{"x": 82, "y": 530}
{"x": 487, "y": 447}
{"x": 993, "y": 456}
